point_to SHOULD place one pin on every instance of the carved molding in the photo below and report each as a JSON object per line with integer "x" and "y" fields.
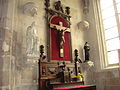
{"x": 30, "y": 8}
{"x": 84, "y": 25}
{"x": 86, "y": 4}
{"x": 58, "y": 10}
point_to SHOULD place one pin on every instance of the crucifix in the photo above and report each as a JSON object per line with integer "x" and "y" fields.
{"x": 61, "y": 33}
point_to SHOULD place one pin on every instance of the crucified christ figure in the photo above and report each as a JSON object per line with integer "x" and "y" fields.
{"x": 61, "y": 41}
{"x": 61, "y": 36}
{"x": 61, "y": 32}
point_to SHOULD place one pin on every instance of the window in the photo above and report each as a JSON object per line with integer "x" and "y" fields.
{"x": 110, "y": 12}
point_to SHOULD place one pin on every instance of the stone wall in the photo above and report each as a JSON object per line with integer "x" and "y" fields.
{"x": 18, "y": 60}
{"x": 105, "y": 79}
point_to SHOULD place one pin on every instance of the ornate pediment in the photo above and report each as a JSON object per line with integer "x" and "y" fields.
{"x": 58, "y": 10}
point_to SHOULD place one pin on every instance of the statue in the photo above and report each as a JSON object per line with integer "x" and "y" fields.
{"x": 58, "y": 6}
{"x": 47, "y": 3}
{"x": 86, "y": 50}
{"x": 61, "y": 31}
{"x": 67, "y": 10}
{"x": 61, "y": 38}
{"x": 31, "y": 39}
{"x": 61, "y": 73}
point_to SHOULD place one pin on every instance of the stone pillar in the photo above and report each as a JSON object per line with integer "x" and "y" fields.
{"x": 6, "y": 17}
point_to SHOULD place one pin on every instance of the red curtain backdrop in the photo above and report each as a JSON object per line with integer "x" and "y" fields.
{"x": 55, "y": 42}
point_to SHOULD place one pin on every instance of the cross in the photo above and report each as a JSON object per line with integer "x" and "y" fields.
{"x": 61, "y": 30}
{"x": 59, "y": 27}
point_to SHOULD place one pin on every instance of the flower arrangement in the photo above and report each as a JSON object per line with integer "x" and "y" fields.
{"x": 80, "y": 75}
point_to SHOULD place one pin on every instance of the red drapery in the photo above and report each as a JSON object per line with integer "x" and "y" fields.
{"x": 55, "y": 42}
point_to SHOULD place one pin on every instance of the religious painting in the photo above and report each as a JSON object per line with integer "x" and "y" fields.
{"x": 58, "y": 20}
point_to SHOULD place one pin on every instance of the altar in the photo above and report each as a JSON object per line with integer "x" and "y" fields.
{"x": 60, "y": 69}
{"x": 82, "y": 87}
{"x": 58, "y": 85}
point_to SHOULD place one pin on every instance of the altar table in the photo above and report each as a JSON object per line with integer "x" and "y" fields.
{"x": 82, "y": 87}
